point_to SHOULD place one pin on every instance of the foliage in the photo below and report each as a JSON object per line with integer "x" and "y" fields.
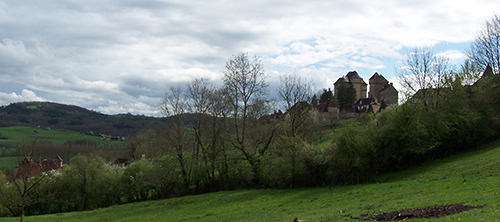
{"x": 346, "y": 96}
{"x": 484, "y": 50}
{"x": 326, "y": 96}
{"x": 292, "y": 89}
{"x": 469, "y": 178}
{"x": 23, "y": 185}
{"x": 422, "y": 70}
{"x": 68, "y": 117}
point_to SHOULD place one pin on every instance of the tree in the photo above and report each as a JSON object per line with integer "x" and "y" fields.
{"x": 293, "y": 88}
{"x": 422, "y": 70}
{"x": 468, "y": 74}
{"x": 208, "y": 105}
{"x": 346, "y": 96}
{"x": 485, "y": 49}
{"x": 295, "y": 91}
{"x": 88, "y": 183}
{"x": 326, "y": 96}
{"x": 178, "y": 140}
{"x": 246, "y": 86}
{"x": 26, "y": 181}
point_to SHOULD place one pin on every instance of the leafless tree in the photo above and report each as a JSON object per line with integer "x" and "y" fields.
{"x": 246, "y": 87}
{"x": 485, "y": 49}
{"x": 422, "y": 70}
{"x": 25, "y": 181}
{"x": 178, "y": 142}
{"x": 293, "y": 88}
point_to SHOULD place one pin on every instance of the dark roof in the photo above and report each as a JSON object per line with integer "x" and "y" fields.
{"x": 323, "y": 107}
{"x": 387, "y": 87}
{"x": 300, "y": 105}
{"x": 375, "y": 75}
{"x": 378, "y": 78}
{"x": 340, "y": 80}
{"x": 332, "y": 104}
{"x": 488, "y": 71}
{"x": 364, "y": 102}
{"x": 353, "y": 75}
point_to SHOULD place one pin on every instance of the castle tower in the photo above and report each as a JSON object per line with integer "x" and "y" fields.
{"x": 340, "y": 81}
{"x": 377, "y": 83}
{"x": 358, "y": 83}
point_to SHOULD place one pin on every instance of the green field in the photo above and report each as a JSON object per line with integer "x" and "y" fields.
{"x": 7, "y": 162}
{"x": 17, "y": 134}
{"x": 470, "y": 178}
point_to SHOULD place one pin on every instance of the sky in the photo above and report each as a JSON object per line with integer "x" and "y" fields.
{"x": 121, "y": 56}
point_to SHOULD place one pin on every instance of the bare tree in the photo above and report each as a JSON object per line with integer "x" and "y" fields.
{"x": 246, "y": 86}
{"x": 296, "y": 91}
{"x": 485, "y": 50}
{"x": 293, "y": 88}
{"x": 25, "y": 181}
{"x": 422, "y": 70}
{"x": 178, "y": 141}
{"x": 467, "y": 74}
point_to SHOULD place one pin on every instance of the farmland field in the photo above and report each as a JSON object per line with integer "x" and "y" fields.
{"x": 17, "y": 134}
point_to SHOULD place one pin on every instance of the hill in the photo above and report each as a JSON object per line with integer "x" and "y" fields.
{"x": 74, "y": 118}
{"x": 470, "y": 178}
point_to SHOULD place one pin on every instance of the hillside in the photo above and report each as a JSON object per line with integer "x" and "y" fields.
{"x": 470, "y": 178}
{"x": 68, "y": 117}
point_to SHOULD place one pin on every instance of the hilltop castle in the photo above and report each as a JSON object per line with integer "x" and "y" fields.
{"x": 380, "y": 88}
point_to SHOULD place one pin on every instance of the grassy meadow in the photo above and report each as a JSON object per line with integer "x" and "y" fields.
{"x": 471, "y": 178}
{"x": 16, "y": 134}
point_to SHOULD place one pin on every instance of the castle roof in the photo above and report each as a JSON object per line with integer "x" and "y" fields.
{"x": 340, "y": 80}
{"x": 388, "y": 86}
{"x": 379, "y": 78}
{"x": 353, "y": 75}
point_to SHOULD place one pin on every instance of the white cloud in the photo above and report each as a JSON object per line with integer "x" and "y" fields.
{"x": 26, "y": 95}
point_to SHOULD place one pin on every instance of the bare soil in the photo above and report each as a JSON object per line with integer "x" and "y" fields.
{"x": 428, "y": 212}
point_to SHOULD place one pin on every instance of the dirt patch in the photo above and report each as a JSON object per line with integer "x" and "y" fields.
{"x": 428, "y": 212}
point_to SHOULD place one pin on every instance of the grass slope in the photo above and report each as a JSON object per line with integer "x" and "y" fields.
{"x": 16, "y": 134}
{"x": 470, "y": 178}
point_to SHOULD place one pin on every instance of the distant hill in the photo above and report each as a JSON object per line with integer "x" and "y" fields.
{"x": 69, "y": 117}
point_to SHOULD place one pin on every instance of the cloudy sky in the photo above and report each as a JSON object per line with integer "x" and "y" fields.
{"x": 121, "y": 56}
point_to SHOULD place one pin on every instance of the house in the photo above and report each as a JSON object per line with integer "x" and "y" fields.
{"x": 29, "y": 168}
{"x": 277, "y": 115}
{"x": 327, "y": 113}
{"x": 122, "y": 161}
{"x": 363, "y": 105}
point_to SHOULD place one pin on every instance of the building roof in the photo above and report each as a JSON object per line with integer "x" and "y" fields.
{"x": 352, "y": 75}
{"x": 389, "y": 86}
{"x": 323, "y": 107}
{"x": 340, "y": 80}
{"x": 378, "y": 78}
{"x": 364, "y": 102}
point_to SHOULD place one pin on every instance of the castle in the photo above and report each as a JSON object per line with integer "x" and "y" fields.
{"x": 380, "y": 88}
{"x": 381, "y": 91}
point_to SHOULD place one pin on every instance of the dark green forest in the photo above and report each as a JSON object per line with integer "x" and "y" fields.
{"x": 60, "y": 116}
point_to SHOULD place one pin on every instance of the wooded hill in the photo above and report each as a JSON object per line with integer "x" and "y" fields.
{"x": 69, "y": 117}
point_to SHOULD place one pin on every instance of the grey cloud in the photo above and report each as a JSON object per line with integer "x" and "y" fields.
{"x": 117, "y": 56}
